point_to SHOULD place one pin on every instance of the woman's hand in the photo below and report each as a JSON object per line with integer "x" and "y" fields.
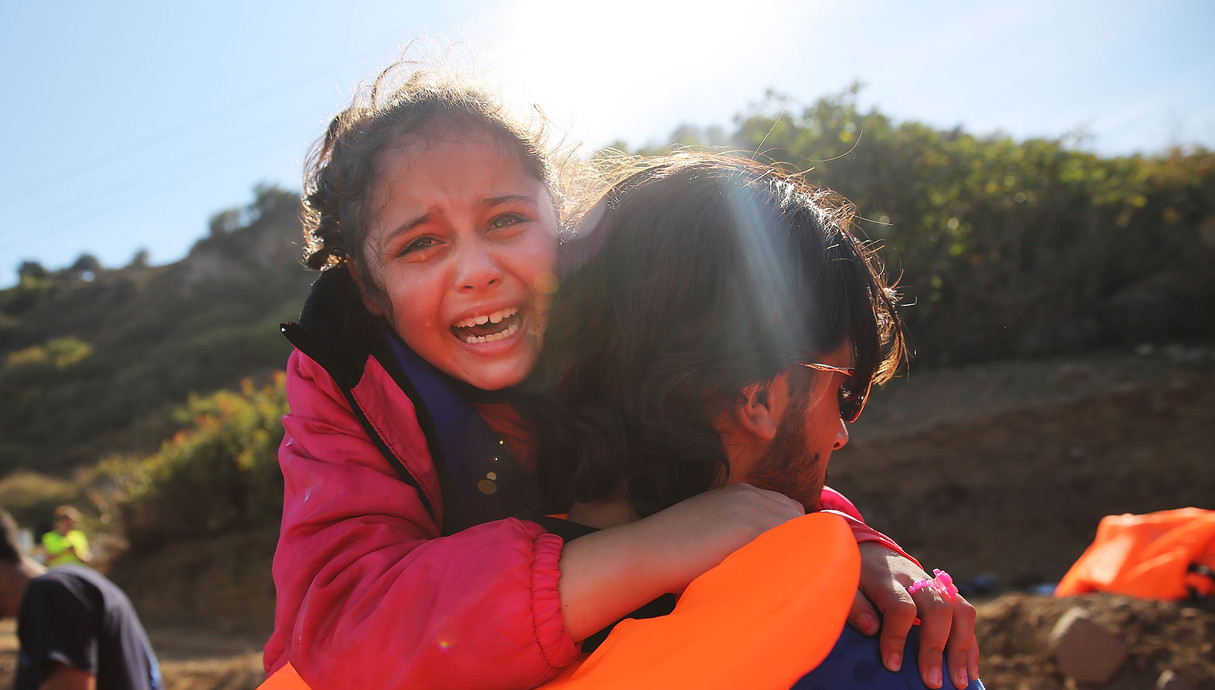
{"x": 947, "y": 626}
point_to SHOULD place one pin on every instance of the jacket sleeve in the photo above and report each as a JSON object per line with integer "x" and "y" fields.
{"x": 835, "y": 502}
{"x": 368, "y": 592}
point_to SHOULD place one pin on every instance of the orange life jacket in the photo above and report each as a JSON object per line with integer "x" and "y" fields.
{"x": 763, "y": 618}
{"x": 1168, "y": 555}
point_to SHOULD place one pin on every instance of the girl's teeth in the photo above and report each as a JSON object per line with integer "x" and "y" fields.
{"x": 495, "y": 317}
{"x": 476, "y": 339}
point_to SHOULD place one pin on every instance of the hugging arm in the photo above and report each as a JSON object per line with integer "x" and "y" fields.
{"x": 606, "y": 574}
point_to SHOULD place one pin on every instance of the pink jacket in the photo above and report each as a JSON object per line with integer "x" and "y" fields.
{"x": 370, "y": 593}
{"x": 368, "y": 590}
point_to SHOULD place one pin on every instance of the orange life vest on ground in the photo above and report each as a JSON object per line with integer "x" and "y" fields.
{"x": 1168, "y": 555}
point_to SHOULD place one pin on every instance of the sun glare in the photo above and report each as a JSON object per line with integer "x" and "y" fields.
{"x": 601, "y": 69}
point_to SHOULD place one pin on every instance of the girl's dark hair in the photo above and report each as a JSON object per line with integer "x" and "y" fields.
{"x": 410, "y": 98}
{"x": 693, "y": 278}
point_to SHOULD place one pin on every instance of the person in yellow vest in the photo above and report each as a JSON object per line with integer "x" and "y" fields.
{"x": 66, "y": 545}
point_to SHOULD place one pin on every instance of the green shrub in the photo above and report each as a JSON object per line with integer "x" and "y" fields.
{"x": 1010, "y": 248}
{"x": 219, "y": 474}
{"x": 56, "y": 356}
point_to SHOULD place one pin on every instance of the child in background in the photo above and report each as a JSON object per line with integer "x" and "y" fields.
{"x": 66, "y": 545}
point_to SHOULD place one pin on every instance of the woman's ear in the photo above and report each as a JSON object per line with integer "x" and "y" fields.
{"x": 370, "y": 300}
{"x": 755, "y": 414}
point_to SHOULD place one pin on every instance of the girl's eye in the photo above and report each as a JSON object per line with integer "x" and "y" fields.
{"x": 418, "y": 245}
{"x": 505, "y": 220}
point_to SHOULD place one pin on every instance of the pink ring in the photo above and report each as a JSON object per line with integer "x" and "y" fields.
{"x": 944, "y": 584}
{"x": 941, "y": 581}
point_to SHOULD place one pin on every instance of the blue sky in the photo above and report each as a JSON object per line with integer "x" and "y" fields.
{"x": 129, "y": 124}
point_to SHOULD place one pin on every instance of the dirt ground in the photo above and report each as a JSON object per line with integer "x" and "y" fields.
{"x": 1000, "y": 473}
{"x": 996, "y": 473}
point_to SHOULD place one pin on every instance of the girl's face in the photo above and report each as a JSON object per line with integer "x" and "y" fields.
{"x": 462, "y": 243}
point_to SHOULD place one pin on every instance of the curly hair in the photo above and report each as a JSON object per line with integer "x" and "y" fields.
{"x": 415, "y": 98}
{"x": 693, "y": 278}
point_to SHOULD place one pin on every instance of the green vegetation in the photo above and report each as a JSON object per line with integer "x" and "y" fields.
{"x": 56, "y": 356}
{"x": 1003, "y": 249}
{"x": 152, "y": 394}
{"x": 94, "y": 366}
{"x": 218, "y": 474}
{"x": 1008, "y": 248}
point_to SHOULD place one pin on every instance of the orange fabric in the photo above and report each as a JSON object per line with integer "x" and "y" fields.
{"x": 284, "y": 679}
{"x": 1146, "y": 556}
{"x": 762, "y": 619}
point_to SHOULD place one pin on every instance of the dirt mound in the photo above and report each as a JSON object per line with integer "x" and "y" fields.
{"x": 1014, "y": 635}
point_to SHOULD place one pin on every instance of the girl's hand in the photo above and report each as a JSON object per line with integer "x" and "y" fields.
{"x": 947, "y": 626}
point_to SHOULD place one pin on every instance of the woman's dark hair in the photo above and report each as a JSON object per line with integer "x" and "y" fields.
{"x": 410, "y": 98}
{"x": 693, "y": 278}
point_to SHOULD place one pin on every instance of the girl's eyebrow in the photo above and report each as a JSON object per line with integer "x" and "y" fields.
{"x": 407, "y": 226}
{"x": 499, "y": 200}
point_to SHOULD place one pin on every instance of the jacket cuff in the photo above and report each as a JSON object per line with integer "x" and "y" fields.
{"x": 556, "y": 645}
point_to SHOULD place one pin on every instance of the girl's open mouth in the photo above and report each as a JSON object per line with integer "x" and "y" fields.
{"x": 486, "y": 328}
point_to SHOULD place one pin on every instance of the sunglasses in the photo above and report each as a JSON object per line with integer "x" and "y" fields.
{"x": 852, "y": 402}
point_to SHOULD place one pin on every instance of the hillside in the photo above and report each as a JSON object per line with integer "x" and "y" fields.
{"x": 93, "y": 360}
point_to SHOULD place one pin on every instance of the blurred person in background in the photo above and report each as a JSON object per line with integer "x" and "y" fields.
{"x": 77, "y": 629}
{"x": 66, "y": 545}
